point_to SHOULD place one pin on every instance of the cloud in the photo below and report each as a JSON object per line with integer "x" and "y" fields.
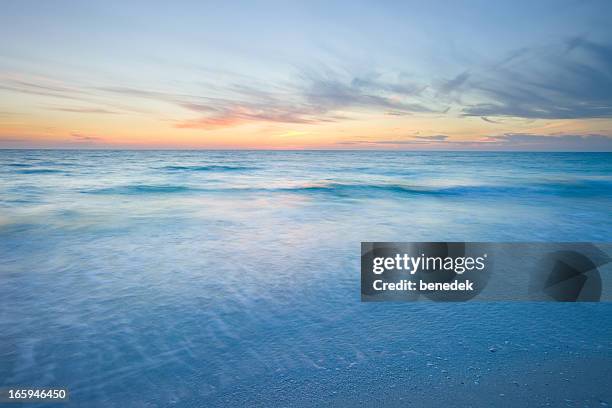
{"x": 142, "y": 93}
{"x": 434, "y": 138}
{"x": 38, "y": 88}
{"x": 591, "y": 142}
{"x": 314, "y": 96}
{"x": 374, "y": 83}
{"x": 12, "y": 140}
{"x": 84, "y": 110}
{"x": 244, "y": 114}
{"x": 72, "y": 141}
{"x": 333, "y": 92}
{"x": 570, "y": 81}
{"x": 455, "y": 83}
{"x": 504, "y": 142}
{"x": 230, "y": 113}
{"x": 489, "y": 120}
{"x": 245, "y": 105}
{"x": 411, "y": 140}
{"x": 84, "y": 138}
{"x": 51, "y": 90}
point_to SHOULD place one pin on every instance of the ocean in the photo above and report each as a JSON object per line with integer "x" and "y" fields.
{"x": 231, "y": 278}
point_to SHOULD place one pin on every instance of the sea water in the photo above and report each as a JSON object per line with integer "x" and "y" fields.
{"x": 231, "y": 278}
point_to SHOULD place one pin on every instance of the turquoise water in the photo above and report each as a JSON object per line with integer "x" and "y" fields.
{"x": 224, "y": 278}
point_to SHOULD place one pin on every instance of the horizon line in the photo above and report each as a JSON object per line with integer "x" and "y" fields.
{"x": 301, "y": 150}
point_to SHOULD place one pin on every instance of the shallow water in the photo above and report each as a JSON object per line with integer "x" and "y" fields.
{"x": 212, "y": 278}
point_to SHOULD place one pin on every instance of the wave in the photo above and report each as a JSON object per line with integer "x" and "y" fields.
{"x": 137, "y": 189}
{"x": 579, "y": 188}
{"x": 348, "y": 189}
{"x": 39, "y": 171}
{"x": 212, "y": 167}
{"x": 337, "y": 189}
{"x": 44, "y": 163}
{"x": 373, "y": 190}
{"x": 568, "y": 188}
{"x": 573, "y": 188}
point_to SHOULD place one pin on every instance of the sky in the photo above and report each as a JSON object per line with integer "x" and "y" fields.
{"x": 409, "y": 75}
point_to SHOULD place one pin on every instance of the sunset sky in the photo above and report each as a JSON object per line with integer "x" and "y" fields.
{"x": 306, "y": 75}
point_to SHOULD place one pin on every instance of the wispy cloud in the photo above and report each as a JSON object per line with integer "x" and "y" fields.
{"x": 594, "y": 142}
{"x": 433, "y": 138}
{"x": 72, "y": 141}
{"x": 507, "y": 141}
{"x": 56, "y": 93}
{"x": 488, "y": 120}
{"x": 572, "y": 80}
{"x": 410, "y": 140}
{"x": 455, "y": 83}
{"x": 313, "y": 96}
{"x": 85, "y": 138}
{"x": 567, "y": 81}
{"x": 332, "y": 91}
{"x": 84, "y": 110}
{"x": 41, "y": 87}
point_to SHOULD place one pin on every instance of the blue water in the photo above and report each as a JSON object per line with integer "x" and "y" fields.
{"x": 218, "y": 278}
